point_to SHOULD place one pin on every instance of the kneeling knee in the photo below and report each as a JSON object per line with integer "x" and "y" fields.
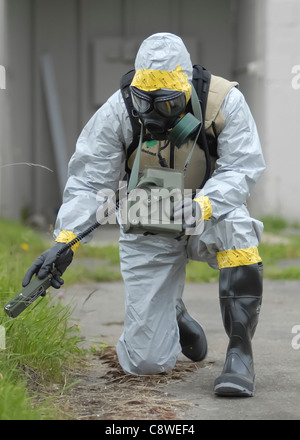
{"x": 151, "y": 366}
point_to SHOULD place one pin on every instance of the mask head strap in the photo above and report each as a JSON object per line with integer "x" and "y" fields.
{"x": 189, "y": 124}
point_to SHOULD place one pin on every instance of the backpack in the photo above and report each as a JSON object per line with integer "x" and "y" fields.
{"x": 201, "y": 82}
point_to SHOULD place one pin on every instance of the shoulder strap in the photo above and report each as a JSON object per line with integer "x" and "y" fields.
{"x": 124, "y": 86}
{"x": 201, "y": 82}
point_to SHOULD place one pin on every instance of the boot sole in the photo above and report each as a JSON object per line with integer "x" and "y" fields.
{"x": 232, "y": 385}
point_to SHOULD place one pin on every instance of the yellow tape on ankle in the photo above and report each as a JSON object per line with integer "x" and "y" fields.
{"x": 238, "y": 257}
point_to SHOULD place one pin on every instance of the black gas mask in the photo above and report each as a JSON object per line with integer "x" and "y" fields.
{"x": 161, "y": 112}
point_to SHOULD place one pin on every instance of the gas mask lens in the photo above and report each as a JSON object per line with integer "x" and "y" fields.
{"x": 167, "y": 103}
{"x": 170, "y": 107}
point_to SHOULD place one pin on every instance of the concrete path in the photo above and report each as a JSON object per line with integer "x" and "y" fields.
{"x": 100, "y": 313}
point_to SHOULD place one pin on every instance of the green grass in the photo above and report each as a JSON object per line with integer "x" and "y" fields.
{"x": 109, "y": 253}
{"x": 82, "y": 274}
{"x": 16, "y": 404}
{"x": 106, "y": 271}
{"x": 274, "y": 224}
{"x": 285, "y": 246}
{"x": 271, "y": 254}
{"x": 197, "y": 272}
{"x": 39, "y": 342}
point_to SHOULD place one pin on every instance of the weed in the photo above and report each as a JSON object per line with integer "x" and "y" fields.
{"x": 39, "y": 340}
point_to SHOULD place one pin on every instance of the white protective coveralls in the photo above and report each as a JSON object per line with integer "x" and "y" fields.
{"x": 153, "y": 267}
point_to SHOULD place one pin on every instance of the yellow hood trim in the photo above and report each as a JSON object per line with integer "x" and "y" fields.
{"x": 150, "y": 80}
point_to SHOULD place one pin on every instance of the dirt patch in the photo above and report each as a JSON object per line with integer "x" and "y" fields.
{"x": 105, "y": 392}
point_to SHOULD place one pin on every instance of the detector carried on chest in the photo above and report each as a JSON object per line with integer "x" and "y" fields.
{"x": 152, "y": 193}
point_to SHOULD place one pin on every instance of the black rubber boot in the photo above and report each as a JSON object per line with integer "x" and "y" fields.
{"x": 240, "y": 300}
{"x": 192, "y": 336}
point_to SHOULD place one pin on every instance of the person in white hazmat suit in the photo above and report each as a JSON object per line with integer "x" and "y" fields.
{"x": 157, "y": 325}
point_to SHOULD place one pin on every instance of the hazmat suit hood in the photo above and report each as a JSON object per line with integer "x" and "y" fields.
{"x": 162, "y": 64}
{"x": 164, "y": 51}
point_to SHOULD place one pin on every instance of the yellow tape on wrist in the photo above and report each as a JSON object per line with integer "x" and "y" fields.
{"x": 238, "y": 257}
{"x": 66, "y": 237}
{"x": 205, "y": 206}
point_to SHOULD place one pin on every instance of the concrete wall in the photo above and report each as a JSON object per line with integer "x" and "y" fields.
{"x": 205, "y": 26}
{"x": 249, "y": 59}
{"x": 55, "y": 27}
{"x": 253, "y": 41}
{"x": 4, "y": 132}
{"x": 282, "y": 97}
{"x": 267, "y": 65}
{"x": 2, "y": 105}
{"x": 16, "y": 107}
{"x": 69, "y": 31}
